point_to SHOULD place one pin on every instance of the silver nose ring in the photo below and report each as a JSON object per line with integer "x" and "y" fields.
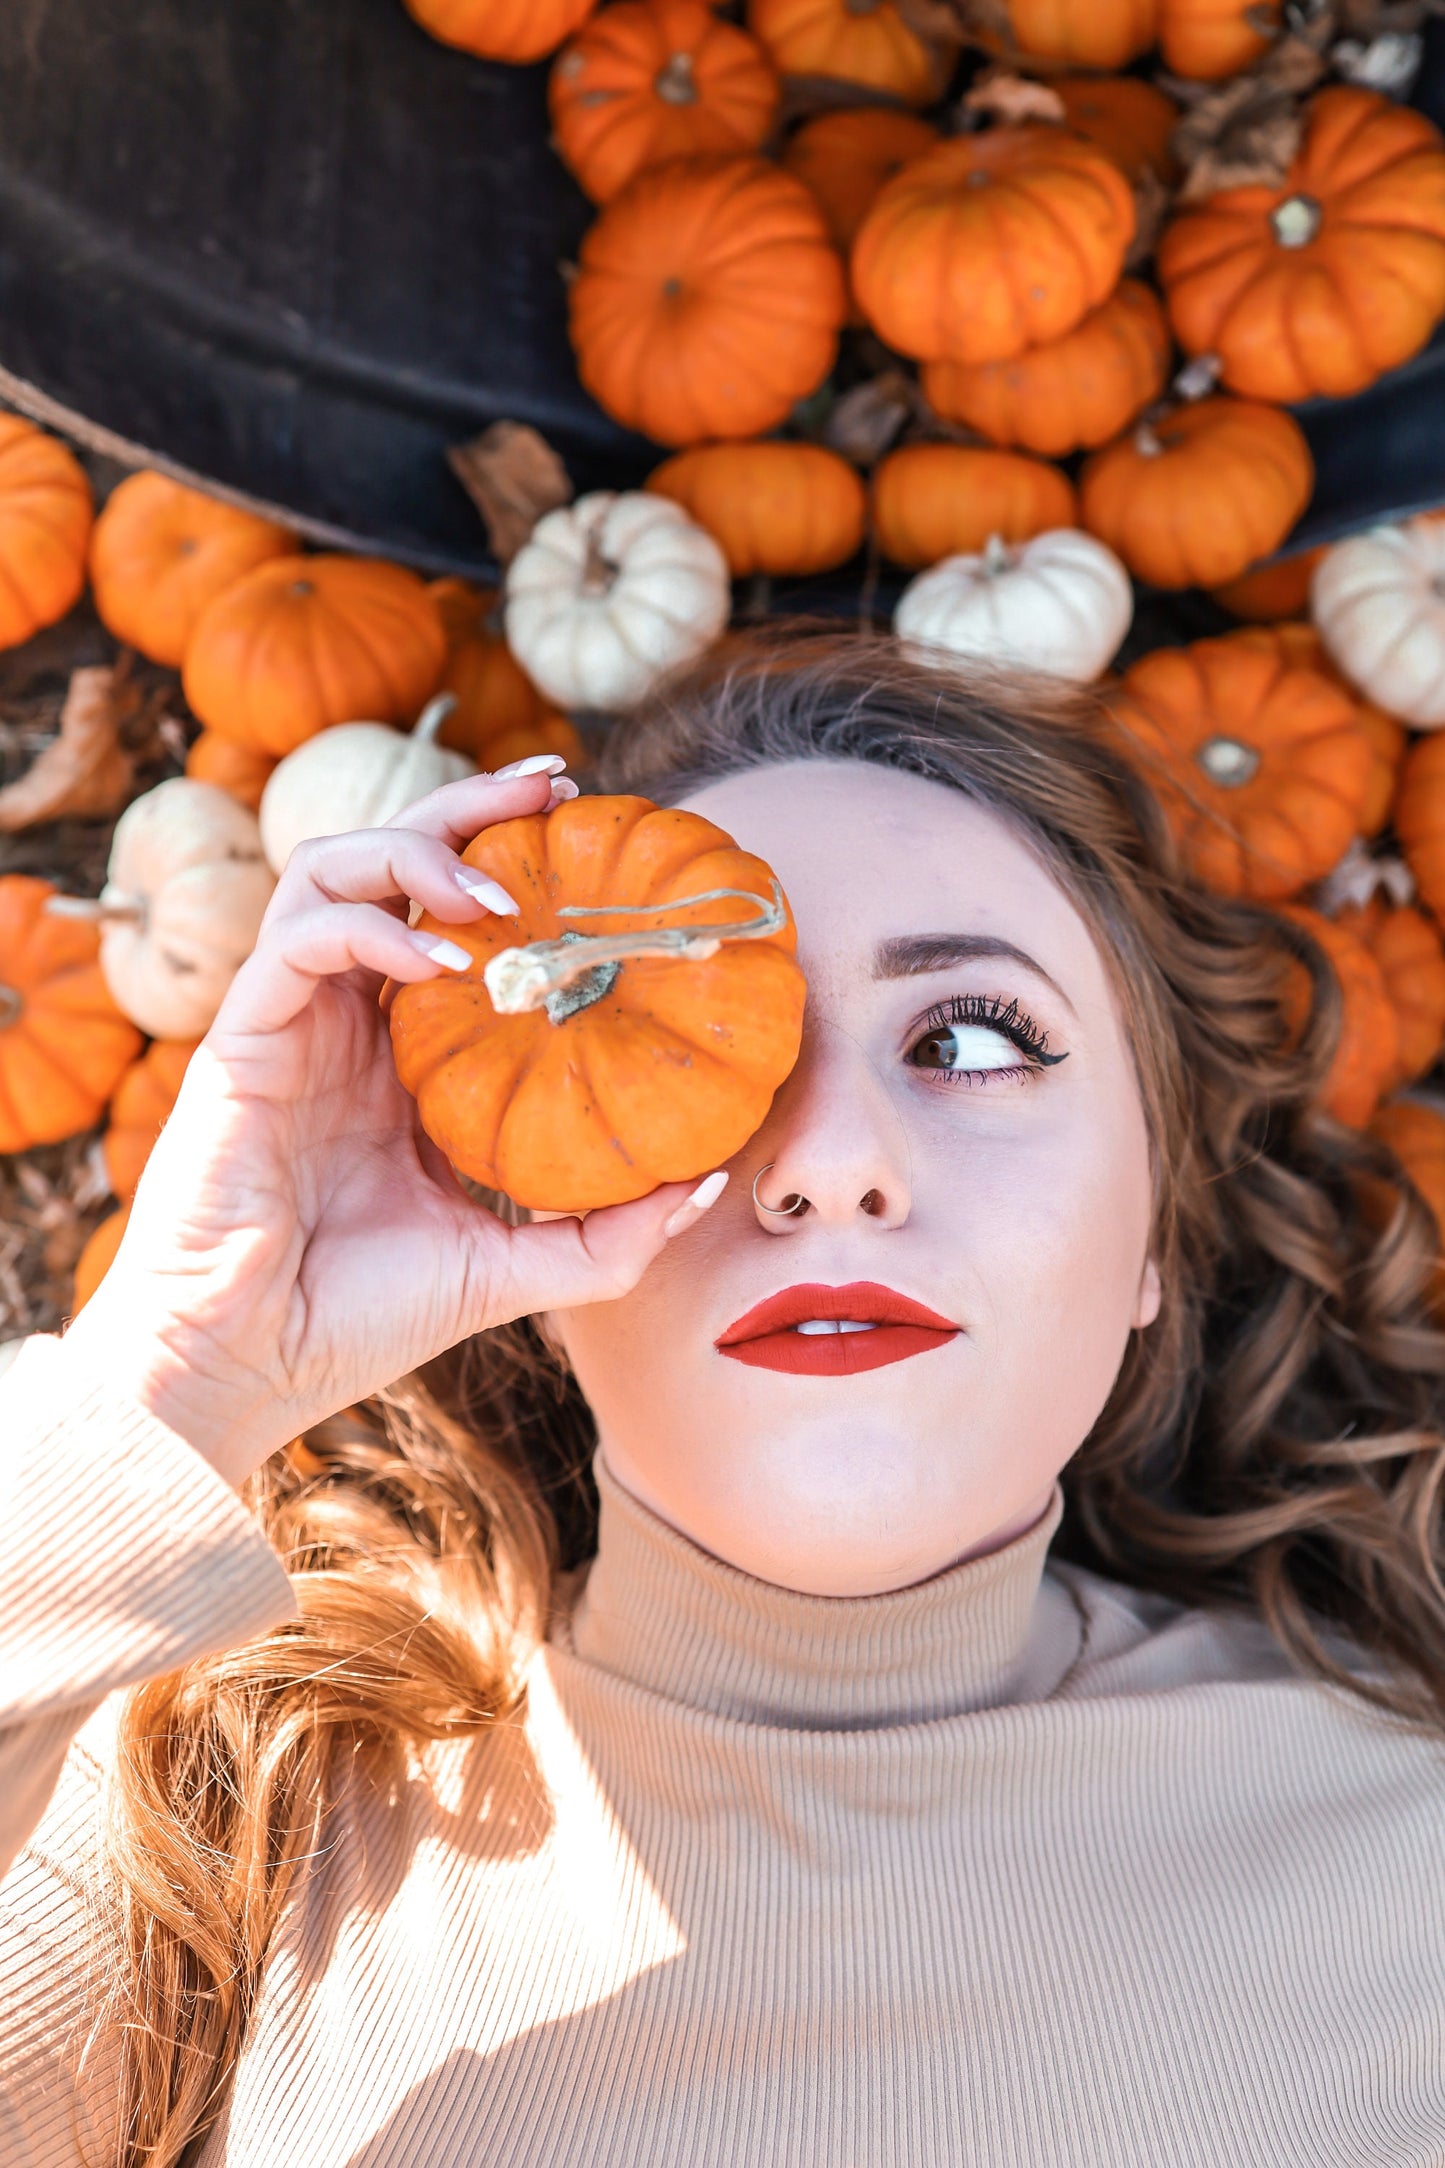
{"x": 794, "y": 1210}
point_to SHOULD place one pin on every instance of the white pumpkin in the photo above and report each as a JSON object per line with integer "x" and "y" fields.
{"x": 609, "y": 594}
{"x": 355, "y": 775}
{"x": 186, "y": 888}
{"x": 1060, "y": 603}
{"x": 1379, "y": 603}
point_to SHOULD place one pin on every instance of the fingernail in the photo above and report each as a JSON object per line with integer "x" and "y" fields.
{"x": 442, "y": 952}
{"x": 565, "y": 788}
{"x": 484, "y": 891}
{"x": 538, "y": 764}
{"x": 706, "y": 1193}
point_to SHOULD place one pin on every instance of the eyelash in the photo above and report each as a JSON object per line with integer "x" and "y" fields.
{"x": 995, "y": 1014}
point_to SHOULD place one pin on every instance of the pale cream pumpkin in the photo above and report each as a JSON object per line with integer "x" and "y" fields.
{"x": 1060, "y": 603}
{"x": 1379, "y": 602}
{"x": 186, "y": 889}
{"x": 609, "y": 594}
{"x": 355, "y": 775}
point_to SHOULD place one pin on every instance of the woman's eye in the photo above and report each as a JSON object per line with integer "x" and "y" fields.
{"x": 966, "y": 1046}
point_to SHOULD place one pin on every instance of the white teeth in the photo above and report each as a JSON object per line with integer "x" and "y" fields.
{"x": 833, "y": 1324}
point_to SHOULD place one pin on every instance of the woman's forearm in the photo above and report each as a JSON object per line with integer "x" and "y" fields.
{"x": 122, "y": 1556}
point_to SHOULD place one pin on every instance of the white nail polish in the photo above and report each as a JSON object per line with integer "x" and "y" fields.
{"x": 564, "y": 788}
{"x": 539, "y": 764}
{"x": 446, "y": 952}
{"x": 707, "y": 1192}
{"x": 486, "y": 891}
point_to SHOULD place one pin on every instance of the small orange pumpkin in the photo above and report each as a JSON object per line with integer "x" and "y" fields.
{"x": 1193, "y": 498}
{"x": 1407, "y": 947}
{"x": 785, "y": 509}
{"x": 1207, "y": 39}
{"x": 1130, "y": 120}
{"x": 1415, "y": 1133}
{"x": 231, "y": 767}
{"x": 1420, "y": 817}
{"x": 853, "y": 41}
{"x": 932, "y": 501}
{"x": 160, "y": 552}
{"x": 515, "y": 30}
{"x": 1323, "y": 283}
{"x": 1259, "y": 762}
{"x": 990, "y": 243}
{"x": 143, "y": 1098}
{"x": 499, "y": 715}
{"x": 708, "y": 302}
{"x": 46, "y": 510}
{"x": 303, "y": 642}
{"x": 1104, "y": 34}
{"x": 635, "y": 1067}
{"x": 1369, "y": 1032}
{"x": 844, "y": 158}
{"x": 63, "y": 1042}
{"x": 1076, "y": 391}
{"x": 96, "y": 1259}
{"x": 1387, "y": 739}
{"x": 648, "y": 80}
{"x": 1272, "y": 591}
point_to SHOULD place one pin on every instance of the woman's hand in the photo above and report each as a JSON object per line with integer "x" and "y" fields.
{"x": 296, "y": 1241}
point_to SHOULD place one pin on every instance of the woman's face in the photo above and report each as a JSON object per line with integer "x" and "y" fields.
{"x": 966, "y": 1125}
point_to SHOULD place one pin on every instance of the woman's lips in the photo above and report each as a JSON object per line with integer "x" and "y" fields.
{"x": 893, "y": 1327}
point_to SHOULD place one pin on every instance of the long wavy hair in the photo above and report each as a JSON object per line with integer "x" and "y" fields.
{"x": 1273, "y": 1441}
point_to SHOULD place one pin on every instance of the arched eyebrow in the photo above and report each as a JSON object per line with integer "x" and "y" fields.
{"x": 910, "y": 956}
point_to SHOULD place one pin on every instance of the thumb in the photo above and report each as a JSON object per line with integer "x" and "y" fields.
{"x": 561, "y": 1263}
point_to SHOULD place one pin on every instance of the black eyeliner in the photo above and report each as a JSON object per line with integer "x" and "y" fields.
{"x": 998, "y": 1015}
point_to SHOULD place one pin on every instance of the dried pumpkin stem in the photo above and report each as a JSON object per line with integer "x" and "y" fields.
{"x": 431, "y": 718}
{"x": 12, "y": 1005}
{"x": 544, "y": 974}
{"x": 997, "y": 556}
{"x": 1296, "y": 221}
{"x": 676, "y": 84}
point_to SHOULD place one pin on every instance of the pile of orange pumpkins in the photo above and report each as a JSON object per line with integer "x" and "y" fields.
{"x": 772, "y": 192}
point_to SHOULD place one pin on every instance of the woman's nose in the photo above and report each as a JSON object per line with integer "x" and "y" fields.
{"x": 834, "y": 1147}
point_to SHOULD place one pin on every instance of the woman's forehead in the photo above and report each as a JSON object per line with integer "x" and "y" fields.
{"x": 868, "y": 853}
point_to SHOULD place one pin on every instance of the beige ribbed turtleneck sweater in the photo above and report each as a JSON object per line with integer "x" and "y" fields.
{"x": 1014, "y": 1869}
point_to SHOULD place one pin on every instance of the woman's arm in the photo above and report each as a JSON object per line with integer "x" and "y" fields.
{"x": 295, "y": 1243}
{"x": 122, "y": 1555}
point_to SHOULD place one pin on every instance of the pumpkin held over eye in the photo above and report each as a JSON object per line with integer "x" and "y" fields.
{"x": 1259, "y": 762}
{"x": 1322, "y": 283}
{"x": 63, "y": 1042}
{"x": 586, "y": 1057}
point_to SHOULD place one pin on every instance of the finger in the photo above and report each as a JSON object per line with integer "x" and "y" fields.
{"x": 279, "y": 978}
{"x": 567, "y": 1262}
{"x": 459, "y": 811}
{"x": 385, "y": 865}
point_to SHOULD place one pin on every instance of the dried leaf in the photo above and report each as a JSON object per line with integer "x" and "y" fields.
{"x": 1153, "y": 201}
{"x": 999, "y": 94}
{"x": 1243, "y": 132}
{"x": 1371, "y": 19}
{"x": 870, "y": 417}
{"x": 84, "y": 772}
{"x": 513, "y": 477}
{"x": 1359, "y": 877}
{"x": 958, "y": 22}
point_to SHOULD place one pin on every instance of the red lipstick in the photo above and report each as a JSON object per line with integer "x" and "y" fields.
{"x": 895, "y": 1327}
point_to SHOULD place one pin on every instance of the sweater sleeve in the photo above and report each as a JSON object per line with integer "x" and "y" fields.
{"x": 122, "y": 1555}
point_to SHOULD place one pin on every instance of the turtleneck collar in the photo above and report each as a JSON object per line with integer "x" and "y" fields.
{"x": 659, "y": 1612}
